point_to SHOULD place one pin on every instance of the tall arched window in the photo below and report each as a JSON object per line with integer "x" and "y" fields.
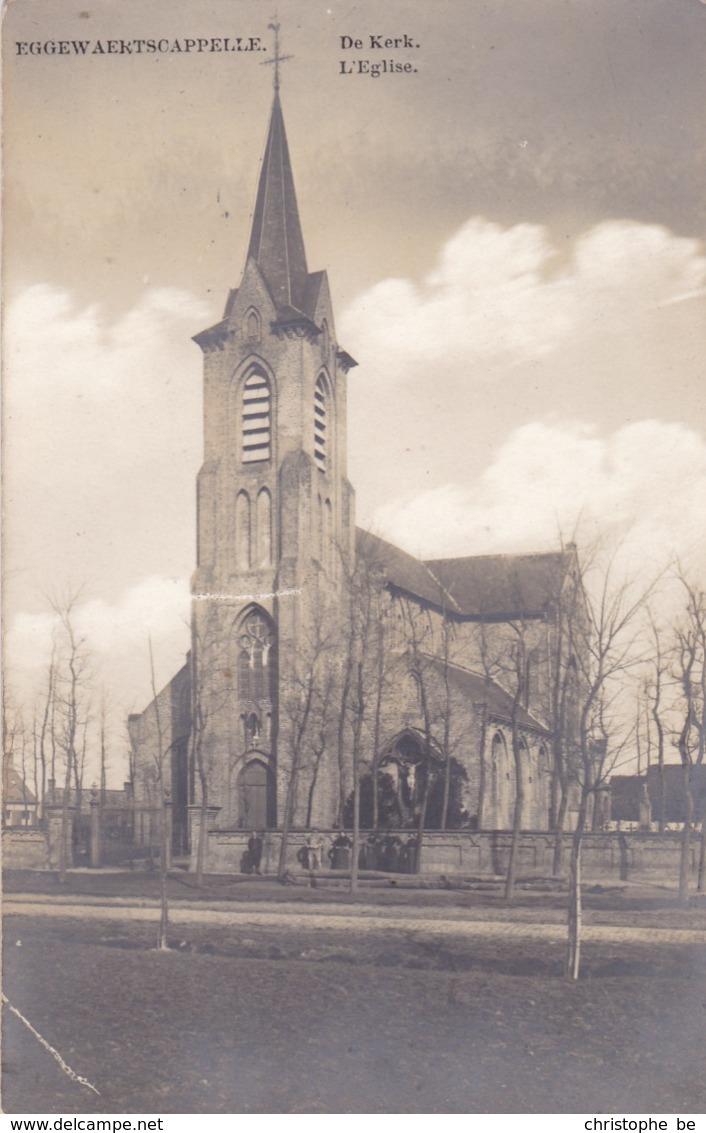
{"x": 320, "y": 424}
{"x": 571, "y": 702}
{"x": 543, "y": 765}
{"x": 525, "y": 760}
{"x": 242, "y": 531}
{"x": 320, "y": 529}
{"x": 252, "y": 325}
{"x": 263, "y": 556}
{"x": 329, "y": 555}
{"x": 244, "y": 676}
{"x": 501, "y": 785}
{"x": 497, "y": 765}
{"x": 256, "y": 418}
{"x": 415, "y": 686}
{"x": 256, "y": 658}
{"x": 396, "y": 628}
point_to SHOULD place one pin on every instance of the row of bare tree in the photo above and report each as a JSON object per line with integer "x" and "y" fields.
{"x": 64, "y": 734}
{"x": 598, "y": 650}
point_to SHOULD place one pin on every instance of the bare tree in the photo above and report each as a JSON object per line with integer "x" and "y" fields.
{"x": 519, "y": 661}
{"x": 70, "y": 707}
{"x": 690, "y": 672}
{"x": 569, "y": 629}
{"x": 654, "y": 698}
{"x": 159, "y": 756}
{"x": 366, "y": 661}
{"x": 321, "y": 716}
{"x": 212, "y": 693}
{"x": 447, "y": 638}
{"x": 45, "y": 730}
{"x": 12, "y": 739}
{"x": 606, "y": 647}
{"x": 103, "y": 732}
{"x": 302, "y": 707}
{"x": 424, "y": 667}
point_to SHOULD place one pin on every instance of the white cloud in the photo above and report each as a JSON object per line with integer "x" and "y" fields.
{"x": 646, "y": 482}
{"x": 116, "y": 636}
{"x": 152, "y": 609}
{"x": 103, "y": 423}
{"x": 103, "y": 438}
{"x": 508, "y": 329}
{"x": 500, "y": 297}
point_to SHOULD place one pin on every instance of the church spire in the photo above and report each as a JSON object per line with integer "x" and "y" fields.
{"x": 276, "y": 241}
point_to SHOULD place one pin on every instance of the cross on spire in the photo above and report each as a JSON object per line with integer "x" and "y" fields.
{"x": 276, "y": 58}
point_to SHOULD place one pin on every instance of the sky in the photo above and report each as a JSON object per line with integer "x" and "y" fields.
{"x": 513, "y": 232}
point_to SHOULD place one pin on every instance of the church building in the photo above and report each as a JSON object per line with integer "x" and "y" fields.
{"x": 321, "y": 652}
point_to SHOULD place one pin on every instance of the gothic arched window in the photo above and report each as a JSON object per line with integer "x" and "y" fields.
{"x": 244, "y": 675}
{"x": 256, "y": 418}
{"x": 329, "y": 556}
{"x": 242, "y": 531}
{"x": 415, "y": 685}
{"x": 256, "y": 657}
{"x": 396, "y": 625}
{"x": 320, "y": 423}
{"x": 498, "y": 759}
{"x": 253, "y": 325}
{"x": 525, "y": 760}
{"x": 320, "y": 529}
{"x": 263, "y": 557}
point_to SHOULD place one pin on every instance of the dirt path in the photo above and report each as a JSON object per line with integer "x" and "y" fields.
{"x": 334, "y": 919}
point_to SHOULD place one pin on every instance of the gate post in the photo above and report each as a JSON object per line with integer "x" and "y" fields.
{"x": 54, "y": 815}
{"x": 95, "y": 829}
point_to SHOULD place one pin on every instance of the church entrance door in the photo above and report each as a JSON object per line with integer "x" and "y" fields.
{"x": 257, "y": 797}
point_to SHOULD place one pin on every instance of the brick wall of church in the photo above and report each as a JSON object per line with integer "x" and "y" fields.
{"x": 153, "y": 735}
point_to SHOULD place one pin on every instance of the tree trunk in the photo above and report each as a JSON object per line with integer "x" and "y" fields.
{"x": 662, "y": 783}
{"x": 447, "y": 728}
{"x": 685, "y": 853}
{"x": 355, "y": 851}
{"x": 357, "y": 732}
{"x": 201, "y": 844}
{"x": 104, "y": 776}
{"x": 422, "y": 821}
{"x": 558, "y": 855}
{"x": 65, "y": 802}
{"x": 573, "y": 949}
{"x": 345, "y": 693}
{"x": 511, "y": 876}
{"x": 162, "y": 941}
{"x": 483, "y": 771}
{"x": 376, "y": 729}
{"x": 286, "y": 827}
{"x": 312, "y": 787}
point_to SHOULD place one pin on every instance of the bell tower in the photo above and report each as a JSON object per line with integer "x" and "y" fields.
{"x": 275, "y": 510}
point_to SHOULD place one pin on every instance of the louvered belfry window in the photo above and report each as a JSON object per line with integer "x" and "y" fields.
{"x": 256, "y": 418}
{"x": 320, "y": 424}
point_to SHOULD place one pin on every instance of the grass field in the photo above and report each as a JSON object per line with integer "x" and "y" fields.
{"x": 265, "y": 1022}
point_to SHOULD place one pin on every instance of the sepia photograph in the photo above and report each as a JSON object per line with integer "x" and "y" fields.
{"x": 354, "y": 559}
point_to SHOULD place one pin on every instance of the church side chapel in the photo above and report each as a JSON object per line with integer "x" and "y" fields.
{"x": 321, "y": 652}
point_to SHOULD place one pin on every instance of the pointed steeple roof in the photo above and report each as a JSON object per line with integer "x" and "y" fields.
{"x": 276, "y": 241}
